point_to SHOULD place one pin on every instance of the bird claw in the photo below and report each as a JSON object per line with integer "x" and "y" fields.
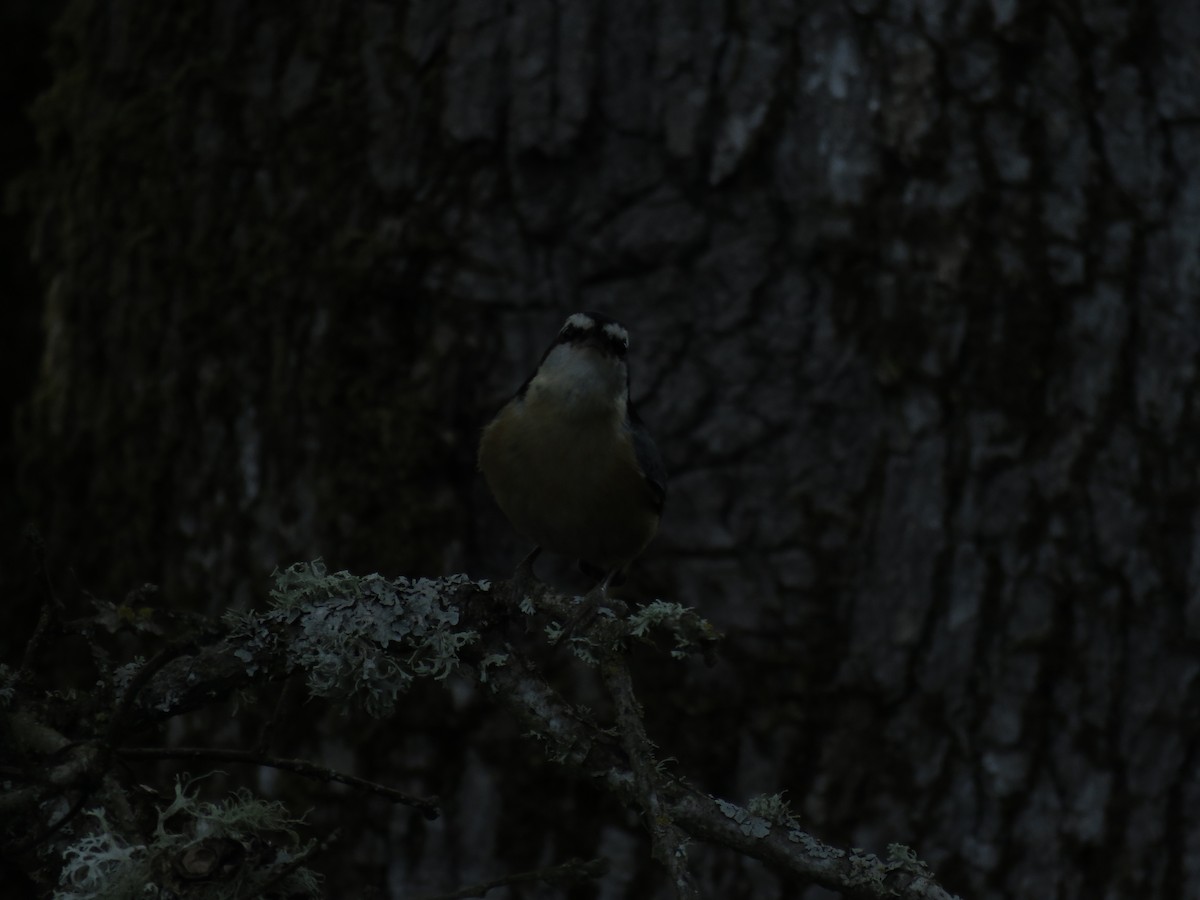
{"x": 593, "y": 602}
{"x": 523, "y": 574}
{"x": 582, "y": 617}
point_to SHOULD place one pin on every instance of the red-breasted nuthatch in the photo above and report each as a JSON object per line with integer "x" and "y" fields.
{"x": 567, "y": 458}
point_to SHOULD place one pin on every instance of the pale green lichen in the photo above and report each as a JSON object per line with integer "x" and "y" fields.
{"x": 582, "y": 649}
{"x": 103, "y": 864}
{"x": 581, "y": 646}
{"x": 362, "y": 639}
{"x": 660, "y": 613}
{"x": 865, "y": 868}
{"x": 902, "y": 853}
{"x": 123, "y": 675}
{"x": 750, "y": 824}
{"x": 492, "y": 659}
{"x": 773, "y": 808}
{"x": 903, "y": 858}
{"x": 813, "y": 847}
{"x": 657, "y": 612}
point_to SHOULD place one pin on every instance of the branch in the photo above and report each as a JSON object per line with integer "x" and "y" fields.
{"x": 668, "y": 842}
{"x": 52, "y": 765}
{"x": 427, "y": 805}
{"x": 586, "y": 748}
{"x": 337, "y": 627}
{"x": 573, "y": 870}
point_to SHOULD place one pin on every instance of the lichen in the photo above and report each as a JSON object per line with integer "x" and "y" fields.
{"x": 865, "y": 868}
{"x": 750, "y": 824}
{"x": 660, "y": 613}
{"x": 657, "y": 612}
{"x": 492, "y": 659}
{"x": 773, "y": 808}
{"x": 360, "y": 639}
{"x": 123, "y": 675}
{"x": 104, "y": 864}
{"x": 904, "y": 859}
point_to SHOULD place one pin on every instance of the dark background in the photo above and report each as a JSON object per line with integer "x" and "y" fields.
{"x": 25, "y": 73}
{"x": 913, "y": 294}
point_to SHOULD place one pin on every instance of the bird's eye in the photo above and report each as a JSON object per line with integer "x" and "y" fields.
{"x": 616, "y": 347}
{"x": 617, "y": 338}
{"x": 573, "y": 335}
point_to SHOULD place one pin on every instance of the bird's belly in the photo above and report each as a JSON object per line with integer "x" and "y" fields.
{"x": 574, "y": 491}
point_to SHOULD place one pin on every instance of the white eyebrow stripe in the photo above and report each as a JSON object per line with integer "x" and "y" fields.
{"x": 615, "y": 331}
{"x": 579, "y": 320}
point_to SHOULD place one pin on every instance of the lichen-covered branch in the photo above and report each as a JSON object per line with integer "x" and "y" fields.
{"x": 669, "y": 841}
{"x": 365, "y": 640}
{"x": 590, "y": 750}
{"x": 427, "y": 805}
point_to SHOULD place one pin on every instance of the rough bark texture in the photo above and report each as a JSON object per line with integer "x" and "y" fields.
{"x": 913, "y": 294}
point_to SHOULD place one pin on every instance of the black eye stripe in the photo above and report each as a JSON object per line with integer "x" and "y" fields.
{"x": 612, "y": 338}
{"x": 572, "y": 334}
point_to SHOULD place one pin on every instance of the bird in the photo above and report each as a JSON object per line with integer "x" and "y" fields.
{"x": 569, "y": 461}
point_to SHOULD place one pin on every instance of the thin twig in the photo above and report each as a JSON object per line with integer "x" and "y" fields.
{"x": 573, "y": 870}
{"x": 139, "y": 681}
{"x": 53, "y": 829}
{"x": 290, "y": 696}
{"x": 427, "y": 805}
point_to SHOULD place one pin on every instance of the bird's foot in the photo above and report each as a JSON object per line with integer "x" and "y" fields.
{"x": 589, "y": 608}
{"x": 523, "y": 578}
